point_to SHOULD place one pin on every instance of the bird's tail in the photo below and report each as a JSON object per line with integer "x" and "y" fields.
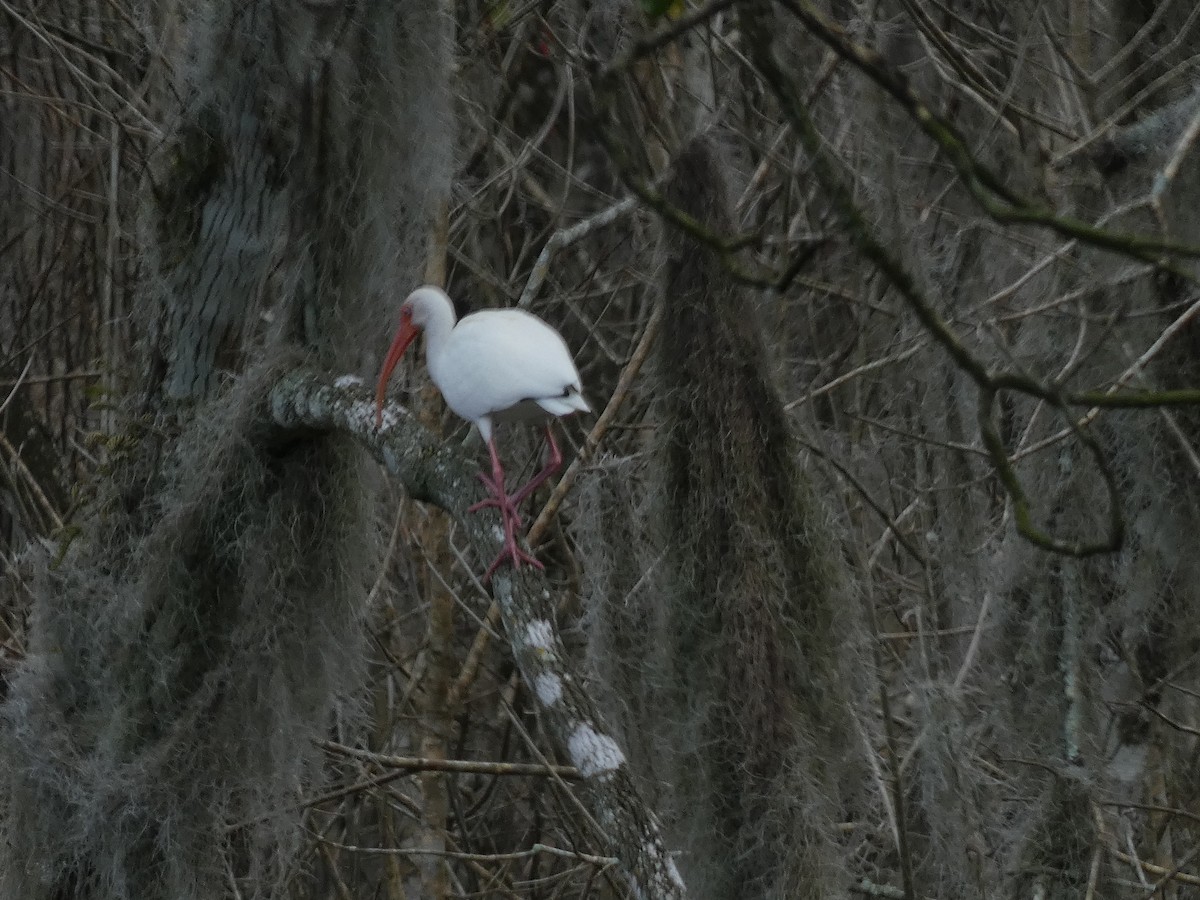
{"x": 570, "y": 402}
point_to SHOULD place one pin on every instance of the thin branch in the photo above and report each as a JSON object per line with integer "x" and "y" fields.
{"x": 893, "y": 525}
{"x": 32, "y": 483}
{"x": 605, "y": 421}
{"x": 835, "y": 383}
{"x": 480, "y": 857}
{"x": 469, "y": 766}
{"x": 647, "y": 44}
{"x": 564, "y": 237}
{"x": 16, "y": 385}
{"x": 1171, "y": 874}
{"x": 624, "y": 384}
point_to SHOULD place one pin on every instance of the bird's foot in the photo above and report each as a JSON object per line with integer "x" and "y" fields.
{"x": 511, "y": 519}
{"x": 496, "y": 489}
{"x": 504, "y": 504}
{"x": 498, "y": 500}
{"x": 515, "y": 555}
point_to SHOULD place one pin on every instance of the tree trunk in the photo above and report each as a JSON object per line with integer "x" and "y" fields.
{"x": 192, "y": 644}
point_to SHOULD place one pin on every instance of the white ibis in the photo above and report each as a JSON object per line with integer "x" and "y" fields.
{"x": 498, "y": 365}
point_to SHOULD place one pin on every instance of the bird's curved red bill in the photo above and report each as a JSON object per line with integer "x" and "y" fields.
{"x": 405, "y": 335}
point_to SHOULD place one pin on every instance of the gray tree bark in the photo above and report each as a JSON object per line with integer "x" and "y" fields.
{"x": 190, "y": 646}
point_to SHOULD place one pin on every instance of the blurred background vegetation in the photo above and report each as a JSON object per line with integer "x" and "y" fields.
{"x": 883, "y": 567}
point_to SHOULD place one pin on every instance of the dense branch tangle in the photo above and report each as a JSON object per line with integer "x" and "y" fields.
{"x": 996, "y": 198}
{"x": 988, "y": 383}
{"x": 993, "y": 195}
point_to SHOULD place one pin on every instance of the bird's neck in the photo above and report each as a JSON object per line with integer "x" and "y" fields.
{"x": 437, "y": 331}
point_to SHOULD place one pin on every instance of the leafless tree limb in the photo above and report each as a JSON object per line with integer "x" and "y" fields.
{"x": 437, "y": 474}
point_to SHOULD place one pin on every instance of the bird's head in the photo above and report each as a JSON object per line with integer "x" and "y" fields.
{"x": 425, "y": 307}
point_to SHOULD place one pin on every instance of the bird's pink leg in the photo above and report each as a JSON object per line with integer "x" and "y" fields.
{"x": 551, "y": 467}
{"x": 495, "y": 483}
{"x": 508, "y": 515}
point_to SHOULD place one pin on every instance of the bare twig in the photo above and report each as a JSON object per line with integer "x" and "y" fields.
{"x": 31, "y": 482}
{"x": 1161, "y": 871}
{"x": 564, "y": 237}
{"x": 478, "y": 767}
{"x": 16, "y": 385}
{"x": 995, "y": 197}
{"x": 989, "y": 383}
{"x": 482, "y": 857}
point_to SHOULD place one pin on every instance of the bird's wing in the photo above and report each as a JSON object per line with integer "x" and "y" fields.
{"x": 496, "y": 359}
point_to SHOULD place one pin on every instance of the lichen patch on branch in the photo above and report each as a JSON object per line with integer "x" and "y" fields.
{"x": 540, "y": 635}
{"x": 593, "y": 753}
{"x": 548, "y": 687}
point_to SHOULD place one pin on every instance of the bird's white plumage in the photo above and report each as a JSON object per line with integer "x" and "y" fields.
{"x": 496, "y": 365}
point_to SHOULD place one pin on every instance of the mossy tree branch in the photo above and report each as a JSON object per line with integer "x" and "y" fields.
{"x": 304, "y": 401}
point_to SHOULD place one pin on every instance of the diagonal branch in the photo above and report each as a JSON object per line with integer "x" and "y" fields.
{"x": 306, "y": 401}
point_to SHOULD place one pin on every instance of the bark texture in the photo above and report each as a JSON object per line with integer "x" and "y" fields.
{"x": 205, "y": 626}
